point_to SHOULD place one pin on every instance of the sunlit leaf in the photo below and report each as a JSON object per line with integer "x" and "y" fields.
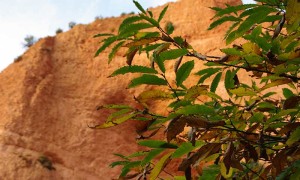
{"x": 159, "y": 166}
{"x": 141, "y": 42}
{"x": 293, "y": 15}
{"x": 154, "y": 95}
{"x": 195, "y": 91}
{"x": 196, "y": 109}
{"x": 242, "y": 91}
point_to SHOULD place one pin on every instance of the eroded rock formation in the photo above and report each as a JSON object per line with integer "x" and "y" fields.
{"x": 50, "y": 96}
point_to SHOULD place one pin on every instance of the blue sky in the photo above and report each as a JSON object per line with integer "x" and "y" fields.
{"x": 43, "y": 17}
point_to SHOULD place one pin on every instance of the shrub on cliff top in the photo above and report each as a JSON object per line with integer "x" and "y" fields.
{"x": 29, "y": 41}
{"x": 252, "y": 133}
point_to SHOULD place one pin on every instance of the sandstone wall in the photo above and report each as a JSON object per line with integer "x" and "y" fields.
{"x": 50, "y": 96}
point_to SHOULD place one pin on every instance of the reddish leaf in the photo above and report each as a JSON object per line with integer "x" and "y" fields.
{"x": 291, "y": 102}
{"x": 202, "y": 153}
{"x": 253, "y": 128}
{"x": 142, "y": 42}
{"x": 202, "y": 123}
{"x": 279, "y": 162}
{"x": 251, "y": 150}
{"x": 130, "y": 55}
{"x": 175, "y": 127}
{"x": 276, "y": 83}
{"x": 289, "y": 127}
{"x": 227, "y": 156}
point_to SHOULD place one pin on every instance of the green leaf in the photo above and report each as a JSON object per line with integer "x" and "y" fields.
{"x": 150, "y": 20}
{"x": 117, "y": 114}
{"x": 215, "y": 82}
{"x": 114, "y": 106}
{"x": 128, "y": 167}
{"x": 233, "y": 9}
{"x": 256, "y": 16}
{"x": 147, "y": 79}
{"x": 157, "y": 144}
{"x": 210, "y": 172}
{"x": 134, "y": 28}
{"x": 139, "y": 7}
{"x": 195, "y": 91}
{"x": 281, "y": 114}
{"x": 138, "y": 154}
{"x": 129, "y": 20}
{"x": 207, "y": 70}
{"x": 185, "y": 148}
{"x": 159, "y": 166}
{"x": 183, "y": 72}
{"x": 142, "y": 41}
{"x": 107, "y": 42}
{"x": 242, "y": 91}
{"x": 152, "y": 154}
{"x": 162, "y": 13}
{"x": 159, "y": 62}
{"x": 287, "y": 93}
{"x": 257, "y": 117}
{"x": 222, "y": 20}
{"x": 118, "y": 163}
{"x": 173, "y": 54}
{"x": 114, "y": 51}
{"x": 103, "y": 34}
{"x": 133, "y": 69}
{"x": 195, "y": 109}
{"x": 229, "y": 81}
{"x": 293, "y": 15}
{"x": 115, "y": 122}
{"x": 169, "y": 28}
{"x": 232, "y": 51}
{"x": 294, "y": 137}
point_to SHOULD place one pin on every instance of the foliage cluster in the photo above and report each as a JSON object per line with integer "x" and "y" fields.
{"x": 253, "y": 132}
{"x": 29, "y": 41}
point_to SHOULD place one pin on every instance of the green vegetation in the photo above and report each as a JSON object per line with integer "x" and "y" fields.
{"x": 251, "y": 133}
{"x": 29, "y": 41}
{"x": 72, "y": 24}
{"x": 59, "y": 30}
